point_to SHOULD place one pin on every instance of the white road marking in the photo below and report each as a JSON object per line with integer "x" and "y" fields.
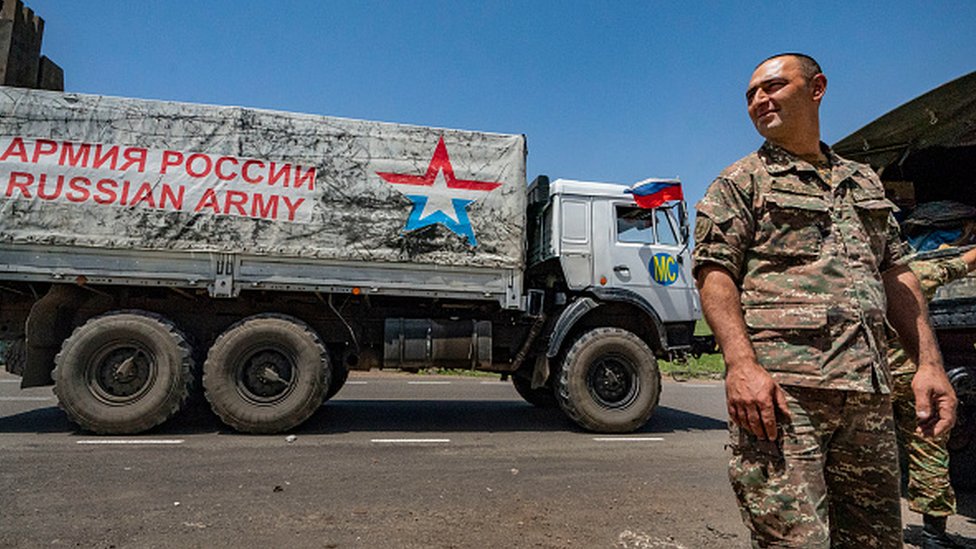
{"x": 628, "y": 439}
{"x": 356, "y": 382}
{"x": 411, "y": 440}
{"x": 428, "y": 383}
{"x": 25, "y": 399}
{"x": 495, "y": 383}
{"x": 9, "y": 381}
{"x": 131, "y": 441}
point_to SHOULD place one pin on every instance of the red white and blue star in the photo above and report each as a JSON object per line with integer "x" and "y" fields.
{"x": 438, "y": 196}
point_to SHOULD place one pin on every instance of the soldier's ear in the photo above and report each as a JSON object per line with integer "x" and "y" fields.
{"x": 818, "y": 86}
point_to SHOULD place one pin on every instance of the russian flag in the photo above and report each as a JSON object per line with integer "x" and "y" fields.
{"x": 651, "y": 193}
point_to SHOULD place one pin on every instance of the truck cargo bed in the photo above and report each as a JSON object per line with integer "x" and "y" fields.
{"x": 226, "y": 275}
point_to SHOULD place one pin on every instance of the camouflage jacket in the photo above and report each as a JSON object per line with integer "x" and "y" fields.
{"x": 806, "y": 249}
{"x": 931, "y": 274}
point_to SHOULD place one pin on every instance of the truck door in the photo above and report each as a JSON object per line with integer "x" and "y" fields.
{"x": 647, "y": 254}
{"x": 575, "y": 247}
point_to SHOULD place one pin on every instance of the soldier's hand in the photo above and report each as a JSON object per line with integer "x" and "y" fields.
{"x": 754, "y": 400}
{"x": 935, "y": 401}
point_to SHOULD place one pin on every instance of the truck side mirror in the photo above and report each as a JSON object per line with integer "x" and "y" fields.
{"x": 683, "y": 222}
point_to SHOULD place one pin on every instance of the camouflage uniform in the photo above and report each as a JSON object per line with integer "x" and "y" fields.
{"x": 806, "y": 247}
{"x": 929, "y": 491}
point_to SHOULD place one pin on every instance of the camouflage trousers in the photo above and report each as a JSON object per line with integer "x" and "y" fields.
{"x": 829, "y": 480}
{"x": 929, "y": 491}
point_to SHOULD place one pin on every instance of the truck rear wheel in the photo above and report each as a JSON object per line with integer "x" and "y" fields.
{"x": 15, "y": 356}
{"x": 123, "y": 372}
{"x": 266, "y": 374}
{"x": 609, "y": 382}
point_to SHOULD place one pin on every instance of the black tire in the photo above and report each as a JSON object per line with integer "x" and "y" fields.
{"x": 962, "y": 449}
{"x": 962, "y": 468}
{"x": 339, "y": 376}
{"x": 15, "y": 356}
{"x": 123, "y": 372}
{"x": 609, "y": 381}
{"x": 541, "y": 397}
{"x": 266, "y": 374}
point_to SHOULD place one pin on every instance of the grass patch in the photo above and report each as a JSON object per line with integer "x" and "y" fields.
{"x": 705, "y": 366}
{"x": 710, "y": 366}
{"x": 457, "y": 372}
{"x": 702, "y": 328}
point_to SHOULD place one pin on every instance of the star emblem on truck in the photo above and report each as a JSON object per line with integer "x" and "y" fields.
{"x": 439, "y": 197}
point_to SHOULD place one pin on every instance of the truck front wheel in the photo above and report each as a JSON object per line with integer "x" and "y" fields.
{"x": 266, "y": 374}
{"x": 541, "y": 397}
{"x": 339, "y": 376}
{"x": 123, "y": 372}
{"x": 609, "y": 382}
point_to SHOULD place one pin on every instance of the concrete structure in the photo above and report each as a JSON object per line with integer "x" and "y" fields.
{"x": 21, "y": 62}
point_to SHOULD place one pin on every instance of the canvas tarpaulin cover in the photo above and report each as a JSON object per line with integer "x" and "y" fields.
{"x": 104, "y": 172}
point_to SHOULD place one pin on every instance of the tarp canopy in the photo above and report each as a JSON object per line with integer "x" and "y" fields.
{"x": 131, "y": 174}
{"x": 943, "y": 117}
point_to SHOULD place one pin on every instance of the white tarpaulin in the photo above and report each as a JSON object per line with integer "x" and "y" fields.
{"x": 107, "y": 172}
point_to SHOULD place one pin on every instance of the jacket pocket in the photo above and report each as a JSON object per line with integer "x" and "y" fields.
{"x": 794, "y": 225}
{"x": 789, "y": 338}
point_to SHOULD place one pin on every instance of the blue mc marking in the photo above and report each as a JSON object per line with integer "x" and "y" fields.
{"x": 664, "y": 269}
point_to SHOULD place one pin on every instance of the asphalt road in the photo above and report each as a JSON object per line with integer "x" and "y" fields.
{"x": 392, "y": 461}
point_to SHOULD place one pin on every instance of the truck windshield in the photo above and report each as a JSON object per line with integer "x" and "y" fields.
{"x": 665, "y": 227}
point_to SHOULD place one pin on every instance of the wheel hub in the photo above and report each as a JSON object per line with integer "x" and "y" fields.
{"x": 121, "y": 374}
{"x": 266, "y": 376}
{"x": 613, "y": 382}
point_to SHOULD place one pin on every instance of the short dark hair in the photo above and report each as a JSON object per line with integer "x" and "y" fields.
{"x": 808, "y": 64}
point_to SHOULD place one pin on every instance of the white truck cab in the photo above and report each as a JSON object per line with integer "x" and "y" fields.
{"x": 619, "y": 288}
{"x": 604, "y": 240}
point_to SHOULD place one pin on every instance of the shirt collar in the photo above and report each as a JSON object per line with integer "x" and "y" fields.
{"x": 778, "y": 161}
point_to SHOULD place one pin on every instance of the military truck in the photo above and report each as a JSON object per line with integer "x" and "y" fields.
{"x": 925, "y": 153}
{"x": 149, "y": 249}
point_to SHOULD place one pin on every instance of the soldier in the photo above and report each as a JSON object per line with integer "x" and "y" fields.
{"x": 796, "y": 251}
{"x": 929, "y": 490}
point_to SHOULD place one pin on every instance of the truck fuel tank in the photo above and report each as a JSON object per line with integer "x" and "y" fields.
{"x": 424, "y": 343}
